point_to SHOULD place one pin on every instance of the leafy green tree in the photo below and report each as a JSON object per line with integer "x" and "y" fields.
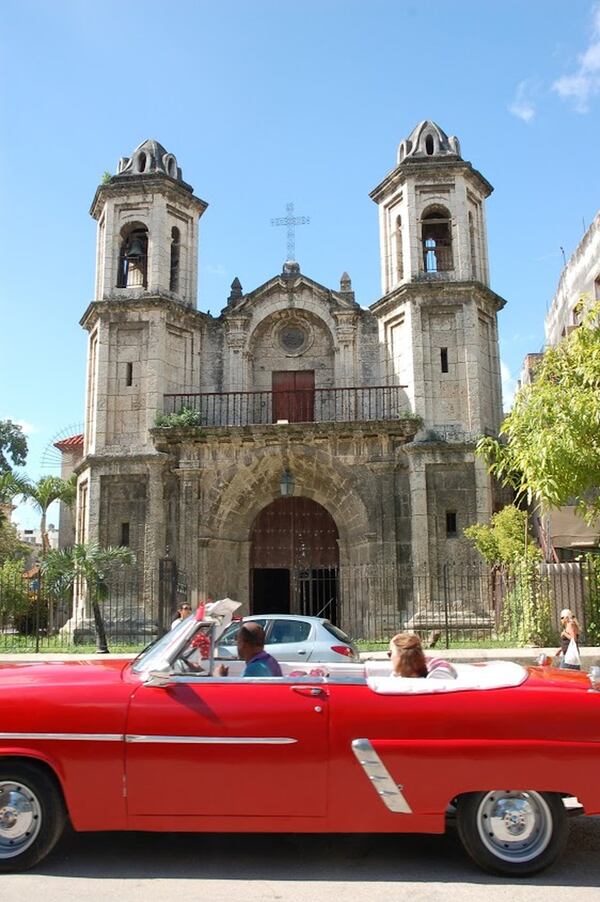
{"x": 14, "y": 594}
{"x": 552, "y": 434}
{"x": 11, "y": 485}
{"x": 11, "y": 548}
{"x": 13, "y": 444}
{"x": 45, "y": 492}
{"x": 506, "y": 544}
{"x": 506, "y": 539}
{"x": 90, "y": 566}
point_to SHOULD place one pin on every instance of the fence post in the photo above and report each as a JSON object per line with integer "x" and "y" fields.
{"x": 38, "y": 591}
{"x": 167, "y": 592}
{"x": 446, "y": 624}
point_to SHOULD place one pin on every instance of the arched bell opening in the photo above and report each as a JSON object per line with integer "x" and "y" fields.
{"x": 294, "y": 559}
{"x": 133, "y": 257}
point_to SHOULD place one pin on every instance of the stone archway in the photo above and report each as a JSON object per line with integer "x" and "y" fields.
{"x": 294, "y": 559}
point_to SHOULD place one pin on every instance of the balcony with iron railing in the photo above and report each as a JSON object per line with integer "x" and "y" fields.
{"x": 318, "y": 405}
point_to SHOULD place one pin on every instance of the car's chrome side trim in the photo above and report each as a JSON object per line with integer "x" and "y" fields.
{"x": 389, "y": 792}
{"x": 119, "y": 737}
{"x": 213, "y": 740}
{"x": 71, "y": 737}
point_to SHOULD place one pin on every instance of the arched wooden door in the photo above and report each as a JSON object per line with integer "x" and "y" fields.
{"x": 294, "y": 559}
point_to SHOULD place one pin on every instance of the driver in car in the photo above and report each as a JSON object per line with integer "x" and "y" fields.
{"x": 251, "y": 649}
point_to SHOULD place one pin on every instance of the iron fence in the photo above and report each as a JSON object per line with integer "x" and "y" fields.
{"x": 475, "y": 604}
{"x": 126, "y": 612}
{"x": 246, "y": 408}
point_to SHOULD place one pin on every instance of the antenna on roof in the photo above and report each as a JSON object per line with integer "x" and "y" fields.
{"x": 562, "y": 250}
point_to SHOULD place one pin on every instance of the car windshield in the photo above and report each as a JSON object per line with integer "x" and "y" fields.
{"x": 161, "y": 650}
{"x": 216, "y": 617}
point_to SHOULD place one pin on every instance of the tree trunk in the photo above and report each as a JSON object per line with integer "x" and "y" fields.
{"x": 101, "y": 641}
{"x": 44, "y": 535}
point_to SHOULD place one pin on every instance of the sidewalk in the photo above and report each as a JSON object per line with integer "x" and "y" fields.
{"x": 589, "y": 655}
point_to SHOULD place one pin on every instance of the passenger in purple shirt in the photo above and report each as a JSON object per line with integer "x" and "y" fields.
{"x": 251, "y": 649}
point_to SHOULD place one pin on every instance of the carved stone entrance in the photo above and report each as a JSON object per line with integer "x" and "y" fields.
{"x": 294, "y": 559}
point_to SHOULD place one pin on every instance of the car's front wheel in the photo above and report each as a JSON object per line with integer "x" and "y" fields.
{"x": 32, "y": 815}
{"x": 510, "y": 832}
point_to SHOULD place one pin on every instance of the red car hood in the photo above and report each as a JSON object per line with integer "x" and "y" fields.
{"x": 55, "y": 672}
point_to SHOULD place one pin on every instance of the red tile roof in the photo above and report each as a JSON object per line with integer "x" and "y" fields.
{"x": 73, "y": 443}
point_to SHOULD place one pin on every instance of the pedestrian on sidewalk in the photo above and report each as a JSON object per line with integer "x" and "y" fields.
{"x": 569, "y": 641}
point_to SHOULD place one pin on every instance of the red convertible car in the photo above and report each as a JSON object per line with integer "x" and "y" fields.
{"x": 159, "y": 744}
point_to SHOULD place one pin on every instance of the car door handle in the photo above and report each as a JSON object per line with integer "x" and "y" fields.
{"x": 301, "y": 651}
{"x": 312, "y": 691}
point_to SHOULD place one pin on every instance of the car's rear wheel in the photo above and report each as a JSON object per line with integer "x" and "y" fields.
{"x": 511, "y": 832}
{"x": 32, "y": 815}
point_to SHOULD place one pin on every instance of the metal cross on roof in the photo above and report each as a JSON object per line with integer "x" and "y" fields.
{"x": 291, "y": 222}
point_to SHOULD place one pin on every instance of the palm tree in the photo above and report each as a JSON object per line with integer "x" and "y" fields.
{"x": 90, "y": 565}
{"x": 45, "y": 492}
{"x": 11, "y": 485}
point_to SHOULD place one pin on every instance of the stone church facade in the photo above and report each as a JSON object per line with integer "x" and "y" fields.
{"x": 300, "y": 433}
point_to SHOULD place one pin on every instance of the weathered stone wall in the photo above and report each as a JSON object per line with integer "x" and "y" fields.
{"x": 268, "y": 353}
{"x": 124, "y": 500}
{"x": 226, "y": 477}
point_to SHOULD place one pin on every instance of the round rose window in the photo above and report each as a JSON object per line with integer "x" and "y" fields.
{"x": 292, "y": 338}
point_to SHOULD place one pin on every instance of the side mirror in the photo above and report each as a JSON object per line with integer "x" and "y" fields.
{"x": 159, "y": 678}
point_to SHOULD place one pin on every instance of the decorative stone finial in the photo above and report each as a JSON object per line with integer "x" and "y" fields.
{"x": 345, "y": 283}
{"x": 236, "y": 291}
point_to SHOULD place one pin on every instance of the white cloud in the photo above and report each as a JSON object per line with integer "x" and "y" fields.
{"x": 522, "y": 106}
{"x": 28, "y": 428}
{"x": 509, "y": 385}
{"x": 583, "y": 84}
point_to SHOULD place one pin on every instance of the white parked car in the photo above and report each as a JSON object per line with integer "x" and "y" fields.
{"x": 293, "y": 637}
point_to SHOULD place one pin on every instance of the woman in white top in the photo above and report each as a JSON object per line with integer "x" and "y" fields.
{"x": 183, "y": 612}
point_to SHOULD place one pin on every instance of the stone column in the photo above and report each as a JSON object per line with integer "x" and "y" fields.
{"x": 189, "y": 510}
{"x": 154, "y": 527}
{"x": 483, "y": 491}
{"x": 236, "y": 338}
{"x": 345, "y": 332}
{"x": 472, "y": 339}
{"x": 418, "y": 508}
{"x": 198, "y": 580}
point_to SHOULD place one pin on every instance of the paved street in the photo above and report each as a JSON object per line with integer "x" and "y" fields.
{"x": 152, "y": 867}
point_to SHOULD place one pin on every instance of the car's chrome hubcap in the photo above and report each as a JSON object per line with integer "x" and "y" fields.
{"x": 514, "y": 826}
{"x": 20, "y": 818}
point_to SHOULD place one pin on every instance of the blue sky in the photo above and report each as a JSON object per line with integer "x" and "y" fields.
{"x": 266, "y": 102}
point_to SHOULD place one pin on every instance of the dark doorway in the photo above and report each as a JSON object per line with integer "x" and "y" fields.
{"x": 270, "y": 590}
{"x": 294, "y": 559}
{"x": 293, "y": 395}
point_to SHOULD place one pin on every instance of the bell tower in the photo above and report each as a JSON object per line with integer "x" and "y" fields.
{"x": 145, "y": 340}
{"x": 437, "y": 313}
{"x": 439, "y": 336}
{"x": 147, "y": 229}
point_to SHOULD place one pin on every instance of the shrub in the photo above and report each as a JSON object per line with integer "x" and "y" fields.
{"x": 590, "y": 568}
{"x": 21, "y": 605}
{"x": 527, "y": 609}
{"x": 186, "y": 418}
